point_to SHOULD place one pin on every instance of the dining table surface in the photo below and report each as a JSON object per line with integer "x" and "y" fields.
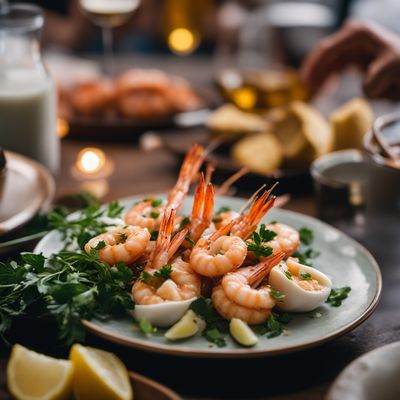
{"x": 305, "y": 374}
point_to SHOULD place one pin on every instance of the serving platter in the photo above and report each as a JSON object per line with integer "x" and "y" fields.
{"x": 345, "y": 261}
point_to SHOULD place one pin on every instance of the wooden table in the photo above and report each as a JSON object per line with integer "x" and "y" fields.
{"x": 303, "y": 375}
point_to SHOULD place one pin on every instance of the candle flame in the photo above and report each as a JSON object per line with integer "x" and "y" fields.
{"x": 90, "y": 160}
{"x": 182, "y": 40}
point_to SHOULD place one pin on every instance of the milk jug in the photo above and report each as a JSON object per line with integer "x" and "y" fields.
{"x": 27, "y": 92}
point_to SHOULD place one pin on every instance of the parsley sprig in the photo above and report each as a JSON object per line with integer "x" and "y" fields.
{"x": 258, "y": 240}
{"x": 274, "y": 325}
{"x": 337, "y": 295}
{"x": 69, "y": 286}
{"x": 158, "y": 277}
{"x": 216, "y": 327}
{"x": 305, "y": 253}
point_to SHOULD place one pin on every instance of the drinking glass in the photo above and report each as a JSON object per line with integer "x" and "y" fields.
{"x": 109, "y": 14}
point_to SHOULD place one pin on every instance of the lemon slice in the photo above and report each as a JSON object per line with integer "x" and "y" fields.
{"x": 34, "y": 376}
{"x": 99, "y": 375}
{"x": 186, "y": 327}
{"x": 242, "y": 333}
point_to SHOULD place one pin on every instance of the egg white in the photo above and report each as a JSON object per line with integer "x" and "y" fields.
{"x": 298, "y": 299}
{"x": 163, "y": 314}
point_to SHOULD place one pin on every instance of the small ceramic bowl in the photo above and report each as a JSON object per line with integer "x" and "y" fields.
{"x": 373, "y": 376}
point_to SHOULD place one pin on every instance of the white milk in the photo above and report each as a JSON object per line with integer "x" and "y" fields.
{"x": 28, "y": 115}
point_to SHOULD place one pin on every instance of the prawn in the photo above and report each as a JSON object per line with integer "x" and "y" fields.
{"x": 287, "y": 239}
{"x": 239, "y": 297}
{"x": 122, "y": 244}
{"x": 181, "y": 283}
{"x": 218, "y": 254}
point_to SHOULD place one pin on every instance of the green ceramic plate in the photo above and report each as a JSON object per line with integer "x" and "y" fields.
{"x": 341, "y": 258}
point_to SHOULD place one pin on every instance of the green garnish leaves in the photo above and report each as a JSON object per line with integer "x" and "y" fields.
{"x": 185, "y": 221}
{"x": 258, "y": 238}
{"x": 156, "y": 279}
{"x": 69, "y": 286}
{"x": 306, "y": 236}
{"x": 288, "y": 274}
{"x": 122, "y": 237}
{"x": 305, "y": 276}
{"x": 189, "y": 239}
{"x": 114, "y": 210}
{"x": 337, "y": 295}
{"x": 216, "y": 327}
{"x": 100, "y": 245}
{"x": 154, "y": 214}
{"x": 156, "y": 203}
{"x": 146, "y": 327}
{"x": 276, "y": 294}
{"x": 273, "y": 326}
{"x": 154, "y": 235}
{"x": 164, "y": 272}
{"x": 223, "y": 209}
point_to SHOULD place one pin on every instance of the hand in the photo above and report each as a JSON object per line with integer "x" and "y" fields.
{"x": 367, "y": 45}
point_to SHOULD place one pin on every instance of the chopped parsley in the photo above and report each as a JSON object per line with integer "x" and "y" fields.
{"x": 273, "y": 326}
{"x": 154, "y": 214}
{"x": 114, "y": 209}
{"x": 223, "y": 209}
{"x": 277, "y": 295}
{"x": 216, "y": 327}
{"x": 189, "y": 239}
{"x": 146, "y": 327}
{"x": 257, "y": 246}
{"x": 100, "y": 245}
{"x": 156, "y": 203}
{"x": 305, "y": 276}
{"x": 337, "y": 295}
{"x": 122, "y": 237}
{"x": 156, "y": 279}
{"x": 306, "y": 236}
{"x": 154, "y": 235}
{"x": 185, "y": 221}
{"x": 288, "y": 274}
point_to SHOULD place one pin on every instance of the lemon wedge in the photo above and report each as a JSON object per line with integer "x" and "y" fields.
{"x": 186, "y": 327}
{"x": 99, "y": 375}
{"x": 242, "y": 333}
{"x": 34, "y": 376}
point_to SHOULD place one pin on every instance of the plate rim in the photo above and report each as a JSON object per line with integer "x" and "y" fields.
{"x": 185, "y": 351}
{"x": 355, "y": 361}
{"x": 47, "y": 195}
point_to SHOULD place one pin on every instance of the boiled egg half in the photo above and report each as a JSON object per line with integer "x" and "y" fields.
{"x": 305, "y": 288}
{"x": 162, "y": 314}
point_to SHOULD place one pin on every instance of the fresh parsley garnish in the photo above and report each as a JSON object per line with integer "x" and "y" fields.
{"x": 189, "y": 239}
{"x": 277, "y": 295}
{"x": 146, "y": 327}
{"x": 158, "y": 277}
{"x": 156, "y": 203}
{"x": 306, "y": 256}
{"x": 273, "y": 326}
{"x": 337, "y": 295}
{"x": 288, "y": 274}
{"x": 185, "y": 221}
{"x": 154, "y": 235}
{"x": 100, "y": 245}
{"x": 305, "y": 276}
{"x": 154, "y": 214}
{"x": 69, "y": 286}
{"x": 114, "y": 209}
{"x": 257, "y": 240}
{"x": 122, "y": 237}
{"x": 306, "y": 236}
{"x": 223, "y": 209}
{"x": 216, "y": 327}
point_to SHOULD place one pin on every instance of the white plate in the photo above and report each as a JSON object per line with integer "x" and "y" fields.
{"x": 373, "y": 376}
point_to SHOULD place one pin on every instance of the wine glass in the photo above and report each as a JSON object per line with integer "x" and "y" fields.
{"x": 108, "y": 15}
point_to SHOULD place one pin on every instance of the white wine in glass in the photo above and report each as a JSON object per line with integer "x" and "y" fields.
{"x": 109, "y": 14}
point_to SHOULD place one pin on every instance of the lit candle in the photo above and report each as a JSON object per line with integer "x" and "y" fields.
{"x": 91, "y": 161}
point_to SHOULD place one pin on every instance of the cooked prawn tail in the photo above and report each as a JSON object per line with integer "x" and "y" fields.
{"x": 258, "y": 272}
{"x": 223, "y": 189}
{"x": 189, "y": 169}
{"x": 176, "y": 242}
{"x": 252, "y": 199}
{"x": 198, "y": 199}
{"x": 224, "y": 230}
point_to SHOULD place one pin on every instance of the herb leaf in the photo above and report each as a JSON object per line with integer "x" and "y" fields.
{"x": 276, "y": 294}
{"x": 305, "y": 276}
{"x": 223, "y": 209}
{"x": 337, "y": 295}
{"x": 306, "y": 236}
{"x": 146, "y": 327}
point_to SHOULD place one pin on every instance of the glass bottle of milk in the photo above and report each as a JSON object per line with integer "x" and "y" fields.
{"x": 27, "y": 92}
